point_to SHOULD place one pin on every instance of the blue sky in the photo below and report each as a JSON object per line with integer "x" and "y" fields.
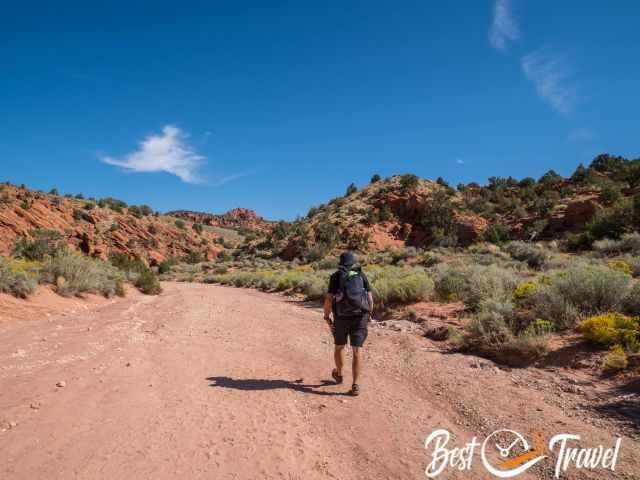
{"x": 278, "y": 106}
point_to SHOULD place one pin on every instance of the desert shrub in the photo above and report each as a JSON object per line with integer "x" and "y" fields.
{"x": 612, "y": 222}
{"x": 634, "y": 265}
{"x": 409, "y": 182}
{"x": 327, "y": 263}
{"x": 351, "y": 189}
{"x": 616, "y": 359}
{"x": 400, "y": 254}
{"x": 490, "y": 334}
{"x": 534, "y": 255}
{"x": 566, "y": 297}
{"x": 429, "y": 259}
{"x": 488, "y": 328}
{"x": 375, "y": 178}
{"x": 74, "y": 274}
{"x": 496, "y": 233}
{"x": 385, "y": 214}
{"x": 449, "y": 282}
{"x": 525, "y": 291}
{"x": 538, "y": 328}
{"x": 198, "y": 228}
{"x": 400, "y": 286}
{"x": 166, "y": 264}
{"x": 610, "y": 193}
{"x": 194, "y": 257}
{"x": 620, "y": 265}
{"x": 16, "y": 283}
{"x": 112, "y": 203}
{"x": 180, "y": 224}
{"x": 148, "y": 283}
{"x": 488, "y": 284}
{"x": 612, "y": 329}
{"x": 42, "y": 244}
{"x": 628, "y": 243}
{"x": 126, "y": 264}
{"x": 224, "y": 256}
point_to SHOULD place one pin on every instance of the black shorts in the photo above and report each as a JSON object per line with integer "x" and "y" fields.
{"x": 353, "y": 327}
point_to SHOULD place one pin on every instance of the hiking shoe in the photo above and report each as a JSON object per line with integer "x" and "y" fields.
{"x": 355, "y": 390}
{"x": 336, "y": 377}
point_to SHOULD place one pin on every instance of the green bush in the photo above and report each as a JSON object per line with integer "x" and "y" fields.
{"x": 42, "y": 244}
{"x": 74, "y": 274}
{"x": 398, "y": 286}
{"x": 409, "y": 182}
{"x": 194, "y": 257}
{"x": 534, "y": 255}
{"x": 148, "y": 283}
{"x": 496, "y": 233}
{"x": 566, "y": 297}
{"x": 488, "y": 284}
{"x": 18, "y": 284}
{"x": 180, "y": 224}
{"x": 450, "y": 282}
{"x": 628, "y": 243}
{"x": 123, "y": 262}
{"x": 166, "y": 264}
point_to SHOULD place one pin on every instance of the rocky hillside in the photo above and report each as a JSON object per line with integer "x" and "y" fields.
{"x": 405, "y": 210}
{"x": 100, "y": 228}
{"x": 235, "y": 219}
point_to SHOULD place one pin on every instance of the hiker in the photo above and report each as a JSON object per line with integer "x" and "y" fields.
{"x": 349, "y": 298}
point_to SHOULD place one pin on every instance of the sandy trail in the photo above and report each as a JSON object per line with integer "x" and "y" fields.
{"x": 221, "y": 383}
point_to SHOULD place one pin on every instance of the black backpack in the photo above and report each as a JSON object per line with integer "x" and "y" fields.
{"x": 352, "y": 298}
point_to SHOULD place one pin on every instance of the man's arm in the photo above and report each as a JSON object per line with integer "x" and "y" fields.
{"x": 370, "y": 298}
{"x": 328, "y": 304}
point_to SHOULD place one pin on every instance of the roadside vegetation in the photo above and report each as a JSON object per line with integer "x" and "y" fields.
{"x": 44, "y": 258}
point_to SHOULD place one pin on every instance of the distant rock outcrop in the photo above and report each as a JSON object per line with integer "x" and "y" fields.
{"x": 237, "y": 218}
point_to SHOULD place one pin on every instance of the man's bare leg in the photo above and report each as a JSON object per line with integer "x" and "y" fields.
{"x": 357, "y": 363}
{"x": 338, "y": 355}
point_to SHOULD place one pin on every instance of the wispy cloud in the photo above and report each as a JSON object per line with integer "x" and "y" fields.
{"x": 579, "y": 135}
{"x": 550, "y": 75}
{"x": 459, "y": 161}
{"x": 233, "y": 177}
{"x": 504, "y": 28}
{"x": 167, "y": 152}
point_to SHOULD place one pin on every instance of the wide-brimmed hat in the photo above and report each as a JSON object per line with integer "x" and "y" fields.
{"x": 347, "y": 259}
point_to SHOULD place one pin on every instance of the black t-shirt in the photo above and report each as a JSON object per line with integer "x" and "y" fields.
{"x": 334, "y": 283}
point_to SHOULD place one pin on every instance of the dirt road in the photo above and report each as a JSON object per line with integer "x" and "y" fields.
{"x": 220, "y": 383}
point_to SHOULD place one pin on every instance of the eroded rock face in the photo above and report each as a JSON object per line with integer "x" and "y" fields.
{"x": 233, "y": 219}
{"x": 98, "y": 232}
{"x": 469, "y": 228}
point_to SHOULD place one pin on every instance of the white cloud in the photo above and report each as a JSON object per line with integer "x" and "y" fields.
{"x": 580, "y": 135}
{"x": 504, "y": 28}
{"x": 231, "y": 178}
{"x": 459, "y": 161}
{"x": 168, "y": 152}
{"x": 549, "y": 74}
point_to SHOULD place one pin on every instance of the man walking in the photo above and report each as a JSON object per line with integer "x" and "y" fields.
{"x": 349, "y": 299}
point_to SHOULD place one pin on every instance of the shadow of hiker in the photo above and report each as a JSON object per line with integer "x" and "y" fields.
{"x": 625, "y": 409}
{"x": 255, "y": 384}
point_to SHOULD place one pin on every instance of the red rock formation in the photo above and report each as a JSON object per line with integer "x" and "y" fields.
{"x": 233, "y": 219}
{"x": 99, "y": 232}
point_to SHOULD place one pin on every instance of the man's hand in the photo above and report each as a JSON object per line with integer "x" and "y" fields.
{"x": 330, "y": 323}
